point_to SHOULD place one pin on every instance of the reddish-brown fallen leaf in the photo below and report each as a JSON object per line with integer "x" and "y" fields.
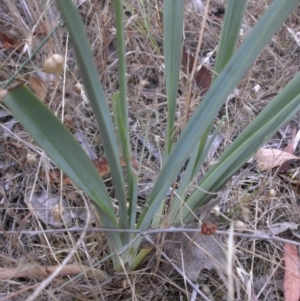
{"x": 7, "y": 41}
{"x": 54, "y": 177}
{"x": 203, "y": 79}
{"x": 202, "y": 76}
{"x": 101, "y": 165}
{"x": 188, "y": 61}
{"x": 291, "y": 284}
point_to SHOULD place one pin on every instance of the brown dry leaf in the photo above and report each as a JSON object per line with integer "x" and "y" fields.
{"x": 202, "y": 76}
{"x": 54, "y": 177}
{"x": 101, "y": 165}
{"x": 291, "y": 283}
{"x": 188, "y": 61}
{"x": 270, "y": 158}
{"x": 203, "y": 79}
{"x": 47, "y": 209}
{"x": 7, "y": 40}
{"x": 290, "y": 148}
{"x": 38, "y": 86}
{"x": 194, "y": 252}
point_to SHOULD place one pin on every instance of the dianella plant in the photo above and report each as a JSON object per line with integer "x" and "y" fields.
{"x": 193, "y": 144}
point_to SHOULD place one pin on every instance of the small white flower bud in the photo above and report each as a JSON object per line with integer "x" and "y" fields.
{"x": 256, "y": 88}
{"x": 3, "y": 93}
{"x": 272, "y": 192}
{"x": 239, "y": 226}
{"x": 206, "y": 290}
{"x": 78, "y": 88}
{"x": 58, "y": 212}
{"x": 54, "y": 64}
{"x": 216, "y": 210}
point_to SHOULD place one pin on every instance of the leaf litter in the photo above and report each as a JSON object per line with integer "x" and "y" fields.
{"x": 290, "y": 148}
{"x": 291, "y": 284}
{"x": 52, "y": 212}
{"x": 271, "y": 158}
{"x": 38, "y": 86}
{"x": 195, "y": 252}
{"x": 148, "y": 63}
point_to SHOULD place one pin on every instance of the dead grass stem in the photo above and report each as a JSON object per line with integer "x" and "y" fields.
{"x": 257, "y": 261}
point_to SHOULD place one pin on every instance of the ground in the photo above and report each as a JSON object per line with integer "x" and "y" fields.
{"x": 31, "y": 186}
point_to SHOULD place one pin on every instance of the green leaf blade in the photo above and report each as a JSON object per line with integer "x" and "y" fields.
{"x": 213, "y": 100}
{"x": 230, "y": 33}
{"x": 62, "y": 148}
{"x": 173, "y": 29}
{"x": 97, "y": 99}
{"x": 121, "y": 109}
{"x": 279, "y": 111}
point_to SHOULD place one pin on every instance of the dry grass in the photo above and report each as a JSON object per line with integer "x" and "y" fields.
{"x": 258, "y": 264}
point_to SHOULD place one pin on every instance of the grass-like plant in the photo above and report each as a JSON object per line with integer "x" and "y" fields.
{"x": 192, "y": 143}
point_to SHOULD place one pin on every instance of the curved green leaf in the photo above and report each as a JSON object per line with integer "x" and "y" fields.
{"x": 97, "y": 99}
{"x": 173, "y": 27}
{"x": 230, "y": 33}
{"x": 59, "y": 144}
{"x": 213, "y": 101}
{"x": 278, "y": 112}
{"x": 121, "y": 111}
{"x": 195, "y": 162}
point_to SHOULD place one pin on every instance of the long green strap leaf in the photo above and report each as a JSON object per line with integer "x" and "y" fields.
{"x": 184, "y": 186}
{"x": 122, "y": 113}
{"x": 195, "y": 162}
{"x": 214, "y": 99}
{"x": 59, "y": 144}
{"x": 173, "y": 26}
{"x": 230, "y": 33}
{"x": 229, "y": 37}
{"x": 278, "y": 112}
{"x": 97, "y": 99}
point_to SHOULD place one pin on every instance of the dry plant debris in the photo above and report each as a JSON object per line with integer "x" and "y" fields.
{"x": 38, "y": 86}
{"x": 101, "y": 165}
{"x": 202, "y": 76}
{"x": 194, "y": 253}
{"x": 52, "y": 212}
{"x": 25, "y": 170}
{"x": 271, "y": 158}
{"x": 29, "y": 271}
{"x": 291, "y": 283}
